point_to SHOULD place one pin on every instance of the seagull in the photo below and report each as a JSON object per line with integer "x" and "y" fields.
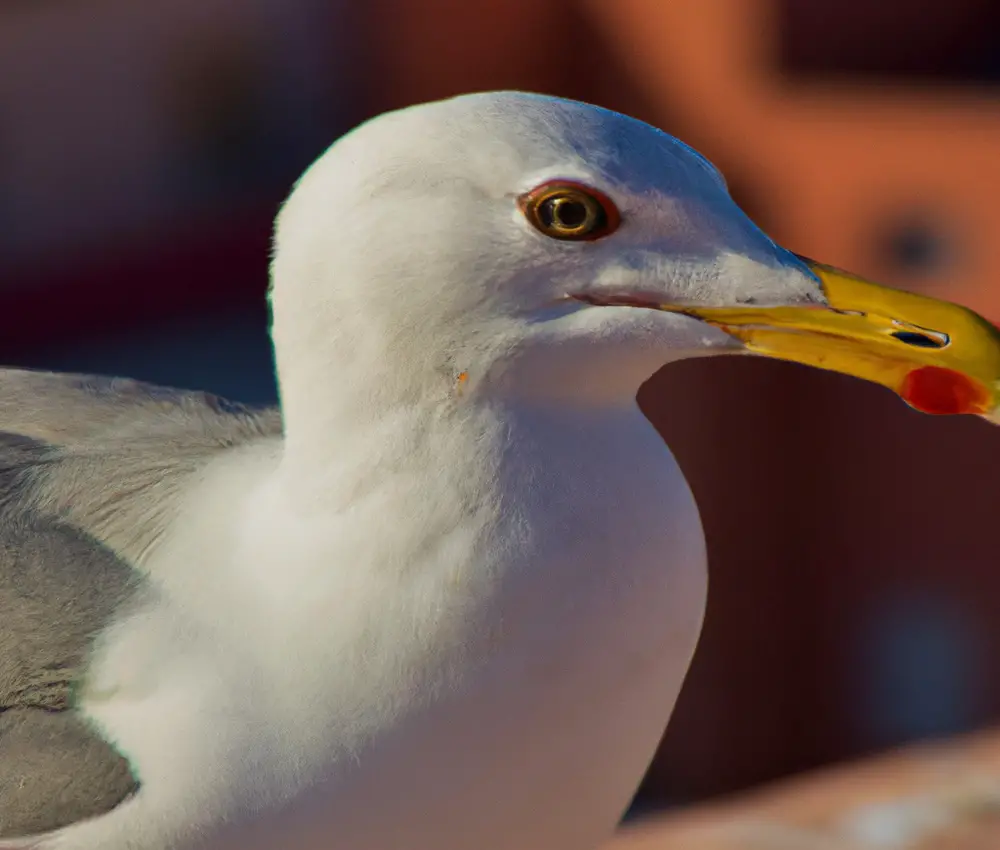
{"x": 446, "y": 595}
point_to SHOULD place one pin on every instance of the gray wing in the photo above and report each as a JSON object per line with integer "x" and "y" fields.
{"x": 90, "y": 469}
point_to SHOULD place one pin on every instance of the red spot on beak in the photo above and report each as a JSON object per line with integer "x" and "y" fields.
{"x": 932, "y": 389}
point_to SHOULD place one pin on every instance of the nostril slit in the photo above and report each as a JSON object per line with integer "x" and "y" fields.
{"x": 919, "y": 340}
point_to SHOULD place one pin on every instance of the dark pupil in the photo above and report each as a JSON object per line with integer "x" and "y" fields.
{"x": 564, "y": 212}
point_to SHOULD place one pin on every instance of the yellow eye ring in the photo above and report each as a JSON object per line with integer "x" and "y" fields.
{"x": 562, "y": 209}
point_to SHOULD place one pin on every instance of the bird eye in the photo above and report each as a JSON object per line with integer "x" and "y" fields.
{"x": 570, "y": 211}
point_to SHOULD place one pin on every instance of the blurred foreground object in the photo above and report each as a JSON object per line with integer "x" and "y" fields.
{"x": 943, "y": 796}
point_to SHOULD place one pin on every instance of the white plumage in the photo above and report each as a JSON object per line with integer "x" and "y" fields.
{"x": 452, "y": 605}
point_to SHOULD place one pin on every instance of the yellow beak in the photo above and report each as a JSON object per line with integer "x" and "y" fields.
{"x": 939, "y": 357}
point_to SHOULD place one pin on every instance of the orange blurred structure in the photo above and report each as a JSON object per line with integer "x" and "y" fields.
{"x": 840, "y": 162}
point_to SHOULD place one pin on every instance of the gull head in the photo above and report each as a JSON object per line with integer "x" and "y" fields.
{"x": 533, "y": 248}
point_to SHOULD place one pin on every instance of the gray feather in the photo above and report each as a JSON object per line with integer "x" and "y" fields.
{"x": 90, "y": 473}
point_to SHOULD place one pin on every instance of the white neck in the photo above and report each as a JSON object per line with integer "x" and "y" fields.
{"x": 555, "y": 559}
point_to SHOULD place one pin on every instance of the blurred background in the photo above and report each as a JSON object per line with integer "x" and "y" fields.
{"x": 144, "y": 148}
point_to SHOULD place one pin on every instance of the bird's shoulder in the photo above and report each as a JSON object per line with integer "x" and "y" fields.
{"x": 91, "y": 469}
